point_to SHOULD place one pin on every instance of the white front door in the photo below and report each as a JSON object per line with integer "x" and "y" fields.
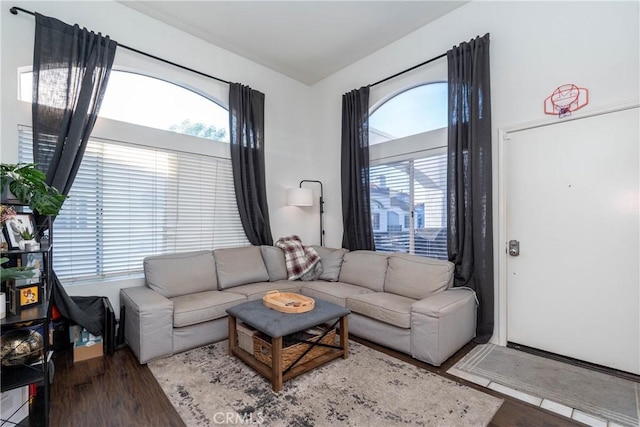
{"x": 572, "y": 202}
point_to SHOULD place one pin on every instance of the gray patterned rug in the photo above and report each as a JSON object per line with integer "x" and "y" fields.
{"x": 560, "y": 387}
{"x": 208, "y": 387}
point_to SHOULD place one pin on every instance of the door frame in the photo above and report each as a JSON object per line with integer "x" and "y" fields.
{"x": 500, "y": 334}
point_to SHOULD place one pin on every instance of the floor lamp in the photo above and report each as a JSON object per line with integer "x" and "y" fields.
{"x": 304, "y": 197}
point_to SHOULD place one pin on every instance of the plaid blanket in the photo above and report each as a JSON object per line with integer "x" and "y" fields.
{"x": 302, "y": 261}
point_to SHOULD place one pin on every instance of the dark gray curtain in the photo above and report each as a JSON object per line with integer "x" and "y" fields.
{"x": 470, "y": 231}
{"x": 246, "y": 124}
{"x": 356, "y": 209}
{"x": 71, "y": 68}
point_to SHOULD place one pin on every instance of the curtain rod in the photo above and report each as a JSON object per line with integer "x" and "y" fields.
{"x": 408, "y": 69}
{"x": 14, "y": 10}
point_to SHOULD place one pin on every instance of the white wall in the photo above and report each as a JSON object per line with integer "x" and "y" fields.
{"x": 535, "y": 47}
{"x": 287, "y": 118}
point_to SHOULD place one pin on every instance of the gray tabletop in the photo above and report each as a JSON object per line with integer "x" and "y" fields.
{"x": 277, "y": 324}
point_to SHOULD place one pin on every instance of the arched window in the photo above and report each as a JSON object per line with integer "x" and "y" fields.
{"x": 141, "y": 189}
{"x": 148, "y": 101}
{"x": 418, "y": 109}
{"x": 408, "y": 170}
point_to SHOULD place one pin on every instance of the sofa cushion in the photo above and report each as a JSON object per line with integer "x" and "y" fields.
{"x": 239, "y": 266}
{"x": 335, "y": 292}
{"x": 202, "y": 307}
{"x": 383, "y": 306}
{"x": 417, "y": 277}
{"x": 331, "y": 259}
{"x": 256, "y": 291}
{"x": 273, "y": 258}
{"x": 364, "y": 268}
{"x": 185, "y": 273}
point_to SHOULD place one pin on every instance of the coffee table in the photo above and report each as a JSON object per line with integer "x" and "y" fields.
{"x": 277, "y": 325}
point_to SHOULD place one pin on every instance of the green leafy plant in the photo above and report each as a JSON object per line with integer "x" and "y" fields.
{"x": 28, "y": 186}
{"x": 27, "y": 235}
{"x": 14, "y": 272}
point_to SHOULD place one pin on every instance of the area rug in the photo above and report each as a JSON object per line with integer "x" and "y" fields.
{"x": 607, "y": 397}
{"x": 208, "y": 387}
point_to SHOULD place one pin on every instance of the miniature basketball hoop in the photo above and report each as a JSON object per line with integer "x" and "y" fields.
{"x": 566, "y": 99}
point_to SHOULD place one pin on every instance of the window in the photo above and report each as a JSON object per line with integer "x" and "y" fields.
{"x": 148, "y": 101}
{"x": 419, "y": 109}
{"x": 412, "y": 188}
{"x": 131, "y": 201}
{"x": 375, "y": 220}
{"x": 408, "y": 172}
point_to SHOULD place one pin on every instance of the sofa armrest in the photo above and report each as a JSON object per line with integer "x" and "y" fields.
{"x": 148, "y": 320}
{"x": 441, "y": 324}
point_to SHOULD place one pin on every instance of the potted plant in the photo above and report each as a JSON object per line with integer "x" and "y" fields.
{"x": 29, "y": 242}
{"x": 28, "y": 186}
{"x": 14, "y": 272}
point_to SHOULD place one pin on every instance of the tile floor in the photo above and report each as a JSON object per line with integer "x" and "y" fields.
{"x": 550, "y": 405}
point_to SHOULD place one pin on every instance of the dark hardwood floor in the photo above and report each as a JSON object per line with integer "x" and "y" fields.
{"x": 108, "y": 391}
{"x": 118, "y": 391}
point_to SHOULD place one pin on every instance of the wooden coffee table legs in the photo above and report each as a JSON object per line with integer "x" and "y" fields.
{"x": 275, "y": 373}
{"x": 233, "y": 335}
{"x": 344, "y": 336}
{"x": 276, "y": 363}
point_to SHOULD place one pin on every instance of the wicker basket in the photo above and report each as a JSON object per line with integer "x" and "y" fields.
{"x": 245, "y": 337}
{"x": 262, "y": 349}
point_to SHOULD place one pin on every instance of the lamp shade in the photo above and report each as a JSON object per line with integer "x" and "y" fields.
{"x": 299, "y": 197}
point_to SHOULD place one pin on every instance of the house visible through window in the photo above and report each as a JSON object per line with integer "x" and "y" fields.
{"x": 408, "y": 172}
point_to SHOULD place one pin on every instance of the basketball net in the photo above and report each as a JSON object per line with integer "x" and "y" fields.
{"x": 566, "y": 99}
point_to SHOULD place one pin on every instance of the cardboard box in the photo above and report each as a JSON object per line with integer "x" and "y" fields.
{"x": 16, "y": 400}
{"x": 85, "y": 350}
{"x": 85, "y": 345}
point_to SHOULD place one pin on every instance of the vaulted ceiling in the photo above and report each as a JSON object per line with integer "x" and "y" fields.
{"x": 306, "y": 40}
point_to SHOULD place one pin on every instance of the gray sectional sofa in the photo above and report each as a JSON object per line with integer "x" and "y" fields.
{"x": 404, "y": 302}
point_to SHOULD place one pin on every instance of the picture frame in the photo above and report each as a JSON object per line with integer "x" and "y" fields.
{"x": 13, "y": 228}
{"x": 35, "y": 260}
{"x": 23, "y": 294}
{"x": 30, "y": 295}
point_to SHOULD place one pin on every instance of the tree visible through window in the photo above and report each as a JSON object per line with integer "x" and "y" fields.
{"x": 148, "y": 101}
{"x": 139, "y": 191}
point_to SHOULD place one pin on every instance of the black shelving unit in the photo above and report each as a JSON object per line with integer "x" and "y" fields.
{"x": 35, "y": 375}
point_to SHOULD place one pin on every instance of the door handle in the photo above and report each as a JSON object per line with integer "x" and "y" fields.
{"x": 514, "y": 247}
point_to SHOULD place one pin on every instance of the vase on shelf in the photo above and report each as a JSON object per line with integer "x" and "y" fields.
{"x": 29, "y": 245}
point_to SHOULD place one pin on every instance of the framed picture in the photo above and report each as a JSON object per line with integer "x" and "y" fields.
{"x": 35, "y": 260}
{"x": 14, "y": 227}
{"x": 29, "y": 295}
{"x": 23, "y": 294}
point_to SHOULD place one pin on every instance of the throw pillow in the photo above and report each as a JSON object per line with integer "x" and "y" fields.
{"x": 274, "y": 261}
{"x": 239, "y": 266}
{"x": 331, "y": 259}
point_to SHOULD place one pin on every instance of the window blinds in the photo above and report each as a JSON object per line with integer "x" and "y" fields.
{"x": 129, "y": 201}
{"x": 408, "y": 205}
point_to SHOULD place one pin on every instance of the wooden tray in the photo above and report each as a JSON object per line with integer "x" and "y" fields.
{"x": 288, "y": 302}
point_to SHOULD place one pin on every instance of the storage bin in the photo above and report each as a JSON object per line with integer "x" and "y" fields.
{"x": 262, "y": 346}
{"x": 245, "y": 336}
